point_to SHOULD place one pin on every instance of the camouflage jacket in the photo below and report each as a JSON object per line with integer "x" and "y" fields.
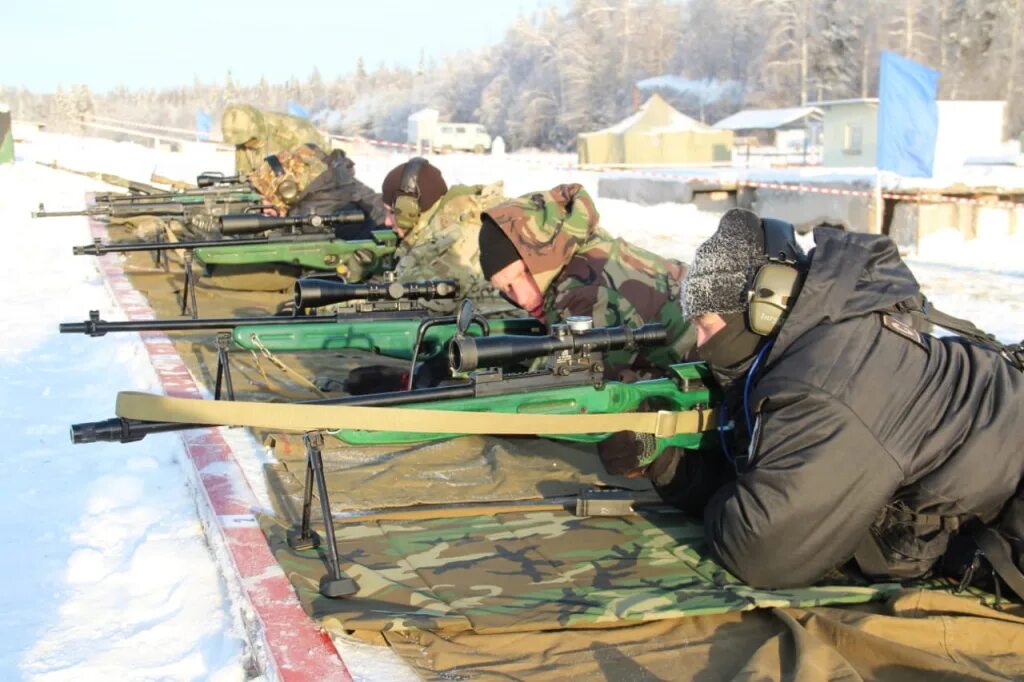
{"x": 583, "y": 270}
{"x": 273, "y": 133}
{"x": 445, "y": 245}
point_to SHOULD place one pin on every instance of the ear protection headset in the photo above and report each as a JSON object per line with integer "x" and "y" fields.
{"x": 778, "y": 281}
{"x": 407, "y": 203}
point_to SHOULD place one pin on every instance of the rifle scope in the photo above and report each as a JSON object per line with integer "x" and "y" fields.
{"x": 312, "y": 292}
{"x": 468, "y": 353}
{"x": 210, "y": 178}
{"x": 249, "y": 223}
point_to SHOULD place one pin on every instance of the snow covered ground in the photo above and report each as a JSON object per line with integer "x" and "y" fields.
{"x": 105, "y": 570}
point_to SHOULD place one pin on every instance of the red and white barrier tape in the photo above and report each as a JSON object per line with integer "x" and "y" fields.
{"x": 935, "y": 195}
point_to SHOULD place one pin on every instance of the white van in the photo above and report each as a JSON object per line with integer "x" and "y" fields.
{"x": 425, "y": 131}
{"x": 471, "y": 137}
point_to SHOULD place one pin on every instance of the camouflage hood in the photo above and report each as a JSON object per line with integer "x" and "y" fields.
{"x": 241, "y": 123}
{"x": 548, "y": 228}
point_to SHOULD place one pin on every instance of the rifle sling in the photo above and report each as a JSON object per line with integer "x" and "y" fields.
{"x": 298, "y": 417}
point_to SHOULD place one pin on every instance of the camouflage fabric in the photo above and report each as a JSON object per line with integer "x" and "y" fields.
{"x": 583, "y": 270}
{"x": 257, "y": 134}
{"x": 294, "y": 170}
{"x": 531, "y": 571}
{"x": 445, "y": 244}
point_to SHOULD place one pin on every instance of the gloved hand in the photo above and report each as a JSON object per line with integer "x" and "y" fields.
{"x": 204, "y": 223}
{"x": 376, "y": 379}
{"x": 621, "y": 453}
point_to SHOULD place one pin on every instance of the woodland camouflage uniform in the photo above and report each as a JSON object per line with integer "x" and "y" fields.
{"x": 583, "y": 270}
{"x": 445, "y": 244}
{"x": 273, "y": 132}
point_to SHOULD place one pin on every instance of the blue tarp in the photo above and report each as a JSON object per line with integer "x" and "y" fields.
{"x": 203, "y": 125}
{"x": 908, "y": 116}
{"x": 297, "y": 110}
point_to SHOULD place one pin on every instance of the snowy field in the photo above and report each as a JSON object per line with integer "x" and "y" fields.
{"x": 106, "y": 571}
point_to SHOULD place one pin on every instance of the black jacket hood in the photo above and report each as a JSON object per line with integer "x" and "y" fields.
{"x": 850, "y": 275}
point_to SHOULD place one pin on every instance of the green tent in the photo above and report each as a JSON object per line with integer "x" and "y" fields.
{"x": 6, "y": 138}
{"x": 655, "y": 134}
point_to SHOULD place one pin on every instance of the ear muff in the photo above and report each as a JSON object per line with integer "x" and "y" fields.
{"x": 778, "y": 281}
{"x": 407, "y": 203}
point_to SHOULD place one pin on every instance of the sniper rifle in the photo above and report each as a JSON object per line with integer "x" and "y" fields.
{"x": 386, "y": 319}
{"x": 567, "y": 399}
{"x": 322, "y": 252}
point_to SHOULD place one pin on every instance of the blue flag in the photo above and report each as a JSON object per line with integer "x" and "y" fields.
{"x": 908, "y": 116}
{"x": 297, "y": 110}
{"x": 203, "y": 125}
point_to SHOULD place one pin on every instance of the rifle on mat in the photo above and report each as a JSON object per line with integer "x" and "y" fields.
{"x": 317, "y": 251}
{"x": 567, "y": 399}
{"x": 387, "y": 319}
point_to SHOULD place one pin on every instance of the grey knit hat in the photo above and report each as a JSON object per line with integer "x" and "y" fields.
{"x": 724, "y": 267}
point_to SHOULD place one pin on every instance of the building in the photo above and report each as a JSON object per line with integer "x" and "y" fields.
{"x": 791, "y": 130}
{"x": 656, "y": 134}
{"x": 966, "y": 129}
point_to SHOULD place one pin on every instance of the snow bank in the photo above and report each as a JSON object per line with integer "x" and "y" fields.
{"x": 106, "y": 569}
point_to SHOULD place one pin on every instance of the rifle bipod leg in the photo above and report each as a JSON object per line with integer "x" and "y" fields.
{"x": 223, "y": 367}
{"x": 335, "y": 584}
{"x": 188, "y": 295}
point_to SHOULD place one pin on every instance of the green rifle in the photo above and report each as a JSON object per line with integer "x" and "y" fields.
{"x": 387, "y": 319}
{"x": 183, "y": 206}
{"x": 320, "y": 252}
{"x": 570, "y": 385}
{"x": 317, "y": 251}
{"x": 571, "y": 382}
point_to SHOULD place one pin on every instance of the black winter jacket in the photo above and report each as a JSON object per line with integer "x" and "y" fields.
{"x": 862, "y": 429}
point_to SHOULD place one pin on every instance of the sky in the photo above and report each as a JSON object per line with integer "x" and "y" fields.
{"x": 140, "y": 44}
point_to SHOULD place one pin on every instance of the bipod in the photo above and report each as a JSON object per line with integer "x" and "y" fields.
{"x": 223, "y": 367}
{"x": 335, "y": 584}
{"x": 188, "y": 294}
{"x": 160, "y": 259}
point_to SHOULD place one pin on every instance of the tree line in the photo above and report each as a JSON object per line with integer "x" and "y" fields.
{"x": 574, "y": 67}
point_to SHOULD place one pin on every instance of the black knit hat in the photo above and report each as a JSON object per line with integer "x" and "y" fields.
{"x": 496, "y": 250}
{"x": 429, "y": 180}
{"x": 724, "y": 267}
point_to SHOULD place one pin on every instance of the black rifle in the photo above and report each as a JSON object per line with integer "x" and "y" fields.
{"x": 390, "y": 301}
{"x": 232, "y": 225}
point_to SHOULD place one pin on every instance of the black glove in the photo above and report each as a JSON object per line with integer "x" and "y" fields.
{"x": 621, "y": 452}
{"x": 376, "y": 379}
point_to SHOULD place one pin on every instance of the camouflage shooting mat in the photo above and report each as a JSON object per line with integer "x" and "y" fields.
{"x": 465, "y": 585}
{"x": 531, "y": 571}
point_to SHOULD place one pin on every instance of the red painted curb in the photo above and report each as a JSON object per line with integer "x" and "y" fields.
{"x": 297, "y": 649}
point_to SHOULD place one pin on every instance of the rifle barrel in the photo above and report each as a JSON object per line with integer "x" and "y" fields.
{"x": 94, "y": 326}
{"x": 100, "y": 249}
{"x": 120, "y": 430}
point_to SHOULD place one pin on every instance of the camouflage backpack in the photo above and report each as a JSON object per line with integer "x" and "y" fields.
{"x": 281, "y": 178}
